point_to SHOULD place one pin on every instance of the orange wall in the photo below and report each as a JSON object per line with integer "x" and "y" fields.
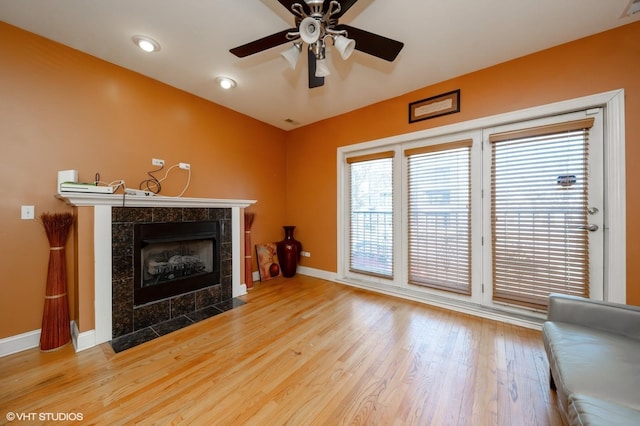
{"x": 596, "y": 64}
{"x": 61, "y": 109}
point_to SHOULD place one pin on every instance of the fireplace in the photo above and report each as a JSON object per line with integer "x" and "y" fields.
{"x": 168, "y": 263}
{"x": 104, "y": 263}
{"x": 174, "y": 258}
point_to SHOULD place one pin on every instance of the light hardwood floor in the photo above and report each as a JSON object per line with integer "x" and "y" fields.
{"x": 302, "y": 351}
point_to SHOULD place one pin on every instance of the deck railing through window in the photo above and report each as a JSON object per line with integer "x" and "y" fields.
{"x": 371, "y": 248}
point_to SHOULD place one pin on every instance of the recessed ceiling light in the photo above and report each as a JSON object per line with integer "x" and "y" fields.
{"x": 226, "y": 83}
{"x": 146, "y": 43}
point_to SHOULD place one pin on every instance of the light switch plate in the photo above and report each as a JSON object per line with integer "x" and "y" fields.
{"x": 28, "y": 212}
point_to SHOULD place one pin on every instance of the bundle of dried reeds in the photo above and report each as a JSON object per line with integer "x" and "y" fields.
{"x": 56, "y": 330}
{"x": 248, "y": 273}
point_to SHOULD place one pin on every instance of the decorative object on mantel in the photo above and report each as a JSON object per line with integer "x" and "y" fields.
{"x": 248, "y": 273}
{"x": 435, "y": 106}
{"x": 56, "y": 330}
{"x": 268, "y": 265}
{"x": 289, "y": 252}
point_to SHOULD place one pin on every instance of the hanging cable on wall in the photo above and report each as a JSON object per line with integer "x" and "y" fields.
{"x": 153, "y": 184}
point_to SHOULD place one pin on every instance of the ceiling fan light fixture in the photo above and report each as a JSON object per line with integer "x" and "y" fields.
{"x": 344, "y": 45}
{"x": 146, "y": 43}
{"x": 310, "y": 30}
{"x": 322, "y": 69}
{"x": 226, "y": 83}
{"x": 292, "y": 54}
{"x": 315, "y": 21}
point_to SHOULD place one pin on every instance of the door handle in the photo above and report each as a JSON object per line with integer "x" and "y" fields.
{"x": 590, "y": 228}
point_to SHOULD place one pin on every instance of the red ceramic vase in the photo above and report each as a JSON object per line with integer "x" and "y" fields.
{"x": 289, "y": 252}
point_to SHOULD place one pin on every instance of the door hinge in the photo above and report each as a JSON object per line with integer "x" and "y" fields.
{"x": 483, "y": 287}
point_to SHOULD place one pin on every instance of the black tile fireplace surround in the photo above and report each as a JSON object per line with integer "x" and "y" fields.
{"x": 174, "y": 312}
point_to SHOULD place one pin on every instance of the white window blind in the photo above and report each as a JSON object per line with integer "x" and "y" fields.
{"x": 439, "y": 216}
{"x": 539, "y": 213}
{"x": 371, "y": 214}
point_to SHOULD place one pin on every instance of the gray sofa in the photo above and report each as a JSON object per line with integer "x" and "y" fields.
{"x": 594, "y": 357}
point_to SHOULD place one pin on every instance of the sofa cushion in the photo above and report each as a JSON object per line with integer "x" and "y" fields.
{"x": 594, "y": 363}
{"x": 586, "y": 410}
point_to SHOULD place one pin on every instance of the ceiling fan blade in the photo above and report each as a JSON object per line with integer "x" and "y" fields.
{"x": 288, "y": 3}
{"x": 373, "y": 44}
{"x": 345, "y": 5}
{"x": 313, "y": 80}
{"x": 264, "y": 43}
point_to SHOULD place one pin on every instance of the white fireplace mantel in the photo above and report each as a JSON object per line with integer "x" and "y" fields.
{"x": 102, "y": 204}
{"x": 81, "y": 199}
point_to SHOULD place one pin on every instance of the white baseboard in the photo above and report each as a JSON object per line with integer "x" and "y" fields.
{"x": 21, "y": 342}
{"x": 31, "y": 339}
{"x": 84, "y": 340}
{"x": 317, "y": 273}
{"x": 304, "y": 270}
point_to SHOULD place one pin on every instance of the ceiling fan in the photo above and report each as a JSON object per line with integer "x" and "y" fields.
{"x": 316, "y": 21}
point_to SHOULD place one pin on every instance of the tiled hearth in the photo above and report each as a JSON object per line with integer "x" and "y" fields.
{"x": 156, "y": 330}
{"x": 136, "y": 324}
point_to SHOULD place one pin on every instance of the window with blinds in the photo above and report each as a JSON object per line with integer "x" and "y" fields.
{"x": 439, "y": 216}
{"x": 371, "y": 214}
{"x": 539, "y": 197}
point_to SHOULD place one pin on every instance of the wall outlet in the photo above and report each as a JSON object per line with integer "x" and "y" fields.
{"x": 305, "y": 254}
{"x": 28, "y": 212}
{"x": 157, "y": 162}
{"x": 184, "y": 166}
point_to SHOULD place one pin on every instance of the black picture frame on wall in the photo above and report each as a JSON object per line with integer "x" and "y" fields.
{"x": 435, "y": 106}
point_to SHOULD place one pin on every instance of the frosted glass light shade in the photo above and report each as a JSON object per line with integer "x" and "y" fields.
{"x": 345, "y": 46}
{"x": 292, "y": 54}
{"x": 322, "y": 70}
{"x": 309, "y": 30}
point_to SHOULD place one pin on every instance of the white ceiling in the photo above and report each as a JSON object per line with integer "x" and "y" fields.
{"x": 443, "y": 39}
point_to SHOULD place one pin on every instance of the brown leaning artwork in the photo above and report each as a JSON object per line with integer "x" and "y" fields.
{"x": 268, "y": 265}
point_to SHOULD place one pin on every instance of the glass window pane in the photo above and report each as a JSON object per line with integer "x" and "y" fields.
{"x": 371, "y": 217}
{"x": 440, "y": 220}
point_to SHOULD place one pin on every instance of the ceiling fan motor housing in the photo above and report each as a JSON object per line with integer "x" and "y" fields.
{"x": 315, "y": 4}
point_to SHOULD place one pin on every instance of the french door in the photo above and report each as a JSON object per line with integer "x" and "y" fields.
{"x": 543, "y": 209}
